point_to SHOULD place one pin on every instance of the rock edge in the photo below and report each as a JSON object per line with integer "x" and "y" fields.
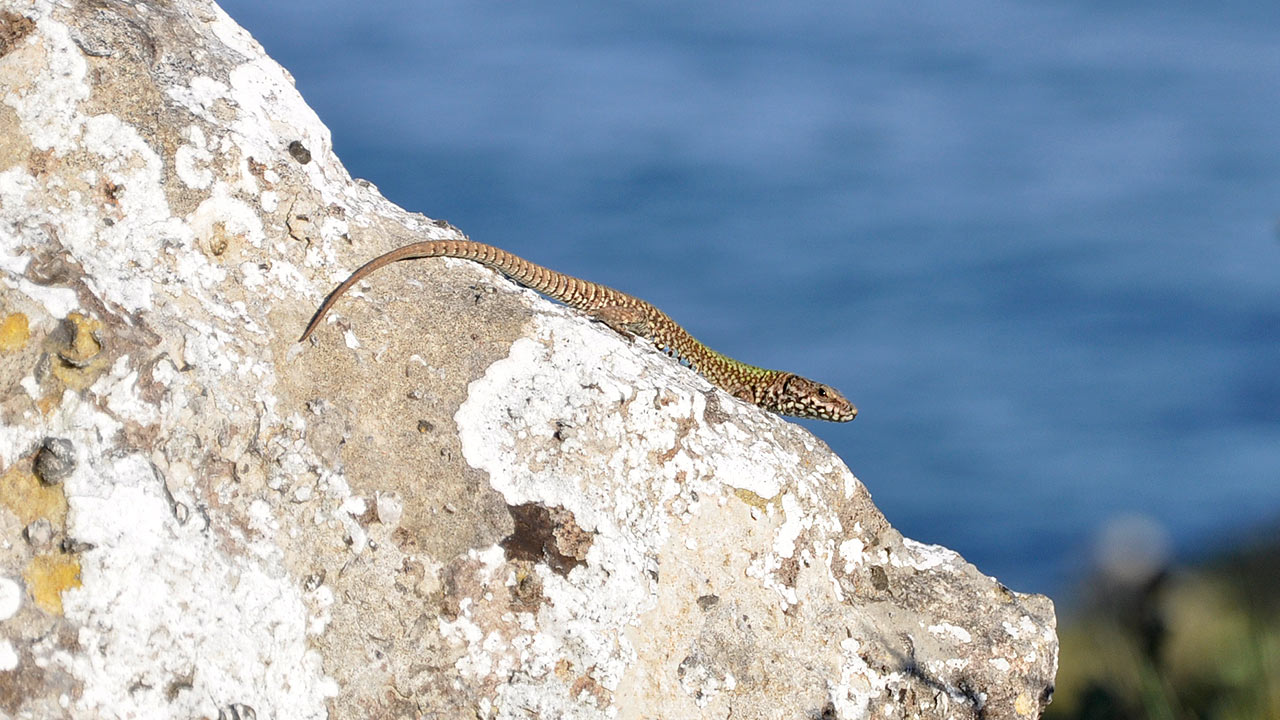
{"x": 460, "y": 500}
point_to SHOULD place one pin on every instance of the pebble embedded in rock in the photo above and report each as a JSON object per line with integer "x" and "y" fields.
{"x": 390, "y": 508}
{"x": 39, "y": 533}
{"x": 55, "y": 460}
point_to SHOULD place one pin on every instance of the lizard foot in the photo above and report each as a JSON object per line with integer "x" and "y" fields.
{"x": 627, "y": 321}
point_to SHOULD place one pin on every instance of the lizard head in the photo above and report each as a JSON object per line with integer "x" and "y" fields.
{"x": 802, "y": 397}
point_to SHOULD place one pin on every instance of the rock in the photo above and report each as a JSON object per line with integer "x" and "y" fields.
{"x": 39, "y": 533}
{"x": 55, "y": 460}
{"x": 458, "y": 500}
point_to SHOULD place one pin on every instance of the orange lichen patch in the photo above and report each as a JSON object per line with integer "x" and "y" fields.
{"x": 47, "y": 576}
{"x": 22, "y": 493}
{"x": 81, "y": 361}
{"x": 14, "y": 332}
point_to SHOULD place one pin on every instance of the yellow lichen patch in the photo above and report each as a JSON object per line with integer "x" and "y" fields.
{"x": 81, "y": 361}
{"x": 84, "y": 346}
{"x": 751, "y": 498}
{"x": 224, "y": 243}
{"x": 14, "y": 332}
{"x": 49, "y": 401}
{"x": 29, "y": 499}
{"x": 47, "y": 576}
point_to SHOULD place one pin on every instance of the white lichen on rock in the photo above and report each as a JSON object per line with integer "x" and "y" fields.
{"x": 160, "y": 601}
{"x": 245, "y": 523}
{"x": 660, "y": 489}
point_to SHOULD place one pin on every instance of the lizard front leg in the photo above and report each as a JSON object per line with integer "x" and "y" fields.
{"x": 627, "y": 321}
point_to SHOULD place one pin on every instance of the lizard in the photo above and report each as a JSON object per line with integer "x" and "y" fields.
{"x": 780, "y": 392}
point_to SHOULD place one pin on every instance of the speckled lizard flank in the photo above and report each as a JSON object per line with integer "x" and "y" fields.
{"x": 774, "y": 390}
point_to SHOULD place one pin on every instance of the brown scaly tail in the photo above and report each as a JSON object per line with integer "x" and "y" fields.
{"x": 534, "y": 276}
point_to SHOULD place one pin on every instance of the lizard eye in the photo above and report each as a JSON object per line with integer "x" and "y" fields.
{"x": 822, "y": 392}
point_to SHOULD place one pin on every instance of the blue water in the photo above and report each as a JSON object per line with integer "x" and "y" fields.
{"x": 1036, "y": 244}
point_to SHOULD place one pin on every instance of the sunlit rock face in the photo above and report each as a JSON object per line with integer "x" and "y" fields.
{"x": 457, "y": 500}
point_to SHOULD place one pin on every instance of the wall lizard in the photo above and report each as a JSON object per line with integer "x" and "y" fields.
{"x": 776, "y": 391}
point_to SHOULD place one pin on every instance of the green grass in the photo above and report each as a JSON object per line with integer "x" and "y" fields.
{"x": 1196, "y": 644}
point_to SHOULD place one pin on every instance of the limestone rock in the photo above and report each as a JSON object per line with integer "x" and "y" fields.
{"x": 459, "y": 500}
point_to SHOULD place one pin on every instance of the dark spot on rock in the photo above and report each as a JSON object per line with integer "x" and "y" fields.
{"x": 788, "y": 569}
{"x": 313, "y": 581}
{"x": 1005, "y": 593}
{"x": 237, "y": 711}
{"x": 405, "y": 540}
{"x": 713, "y": 414}
{"x": 71, "y": 546}
{"x": 55, "y": 460}
{"x": 828, "y": 712}
{"x": 965, "y": 687}
{"x": 879, "y": 579}
{"x": 706, "y": 602}
{"x": 111, "y": 191}
{"x": 688, "y": 662}
{"x": 178, "y": 684}
{"x": 300, "y": 152}
{"x": 13, "y": 28}
{"x": 39, "y": 161}
{"x": 425, "y": 426}
{"x": 588, "y": 684}
{"x": 50, "y": 264}
{"x": 548, "y": 535}
{"x": 562, "y": 432}
{"x": 526, "y": 594}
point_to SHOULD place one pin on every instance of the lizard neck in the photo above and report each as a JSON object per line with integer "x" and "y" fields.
{"x": 757, "y": 385}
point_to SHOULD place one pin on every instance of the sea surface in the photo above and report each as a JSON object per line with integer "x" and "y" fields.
{"x": 1035, "y": 243}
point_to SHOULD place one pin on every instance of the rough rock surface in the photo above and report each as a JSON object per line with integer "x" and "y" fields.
{"x": 460, "y": 500}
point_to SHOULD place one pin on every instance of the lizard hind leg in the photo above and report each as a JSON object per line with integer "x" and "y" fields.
{"x": 627, "y": 321}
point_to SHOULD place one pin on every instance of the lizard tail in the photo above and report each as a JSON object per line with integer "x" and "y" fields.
{"x": 531, "y": 275}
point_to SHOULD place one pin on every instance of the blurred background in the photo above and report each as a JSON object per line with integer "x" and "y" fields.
{"x": 1037, "y": 245}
